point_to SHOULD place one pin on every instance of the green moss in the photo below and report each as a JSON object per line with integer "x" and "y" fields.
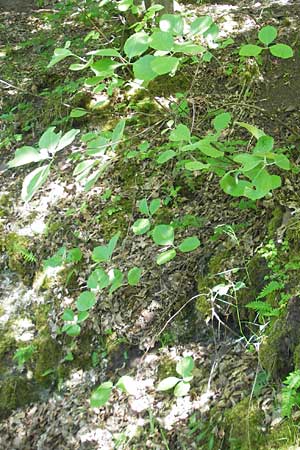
{"x": 16, "y": 247}
{"x": 166, "y": 368}
{"x": 48, "y": 359}
{"x": 243, "y": 425}
{"x": 16, "y": 392}
{"x": 283, "y": 437}
{"x": 275, "y": 222}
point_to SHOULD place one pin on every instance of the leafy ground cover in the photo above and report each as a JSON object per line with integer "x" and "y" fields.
{"x": 149, "y": 233}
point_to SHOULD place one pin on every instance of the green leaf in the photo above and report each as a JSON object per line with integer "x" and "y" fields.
{"x": 264, "y": 145}
{"x": 82, "y": 316}
{"x": 180, "y": 133}
{"x": 205, "y": 147}
{"x": 74, "y": 255}
{"x": 250, "y": 50}
{"x": 264, "y": 183}
{"x": 68, "y": 315}
{"x": 26, "y": 155}
{"x": 134, "y": 276}
{"x": 282, "y": 161}
{"x": 73, "y": 330}
{"x": 166, "y": 156}
{"x": 101, "y": 395}
{"x": 165, "y": 257}
{"x": 98, "y": 279}
{"x": 113, "y": 243}
{"x": 161, "y": 40}
{"x": 271, "y": 287}
{"x": 142, "y": 68}
{"x": 185, "y": 366}
{"x": 105, "y": 67}
{"x": 136, "y": 44}
{"x": 163, "y": 235}
{"x": 221, "y": 121}
{"x": 100, "y": 254}
{"x": 189, "y": 244}
{"x": 34, "y": 181}
{"x": 182, "y": 389}
{"x": 281, "y": 51}
{"x": 141, "y": 226}
{"x": 256, "y": 132}
{"x": 195, "y": 165}
{"x": 116, "y": 279}
{"x": 267, "y": 34}
{"x": 117, "y": 134}
{"x": 86, "y": 301}
{"x": 249, "y": 161}
{"x": 167, "y": 383}
{"x": 83, "y": 168}
{"x": 143, "y": 206}
{"x": 233, "y": 185}
{"x": 78, "y": 112}
{"x": 201, "y": 25}
{"x": 128, "y": 385}
{"x": 164, "y": 64}
{"x": 105, "y": 52}
{"x": 154, "y": 206}
{"x": 67, "y": 139}
{"x": 172, "y": 23}
{"x": 59, "y": 55}
{"x": 49, "y": 140}
{"x": 189, "y": 48}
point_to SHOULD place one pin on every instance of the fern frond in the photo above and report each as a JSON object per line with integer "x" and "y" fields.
{"x": 263, "y": 308}
{"x": 293, "y": 380}
{"x": 26, "y": 254}
{"x": 271, "y": 287}
{"x": 289, "y": 400}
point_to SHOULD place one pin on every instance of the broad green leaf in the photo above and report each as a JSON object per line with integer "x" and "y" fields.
{"x": 74, "y": 255}
{"x": 211, "y": 34}
{"x": 160, "y": 40}
{"x": 78, "y": 112}
{"x": 93, "y": 177}
{"x": 98, "y": 279}
{"x": 113, "y": 243}
{"x": 73, "y": 330}
{"x": 163, "y": 235}
{"x": 180, "y": 133}
{"x": 117, "y": 134}
{"x": 68, "y": 315}
{"x": 249, "y": 161}
{"x": 189, "y": 48}
{"x": 195, "y": 165}
{"x": 189, "y": 244}
{"x": 185, "y": 366}
{"x": 136, "y": 44}
{"x": 105, "y": 67}
{"x": 57, "y": 259}
{"x": 82, "y": 316}
{"x": 264, "y": 182}
{"x": 166, "y": 156}
{"x": 172, "y": 23}
{"x": 221, "y": 121}
{"x": 142, "y": 68}
{"x": 116, "y": 279}
{"x": 281, "y": 51}
{"x": 165, "y": 257}
{"x": 154, "y": 206}
{"x": 264, "y": 145}
{"x": 124, "y": 5}
{"x": 250, "y": 50}
{"x": 128, "y": 385}
{"x": 59, "y": 55}
{"x": 101, "y": 254}
{"x": 105, "y": 52}
{"x": 34, "y": 181}
{"x": 141, "y": 226}
{"x": 101, "y": 395}
{"x": 134, "y": 276}
{"x": 26, "y": 155}
{"x": 201, "y": 25}
{"x": 79, "y": 66}
{"x": 256, "y": 132}
{"x": 233, "y": 185}
{"x": 83, "y": 168}
{"x": 164, "y": 64}
{"x": 167, "y": 383}
{"x": 282, "y": 161}
{"x": 182, "y": 389}
{"x": 67, "y": 139}
{"x": 267, "y": 34}
{"x": 205, "y": 147}
{"x": 49, "y": 140}
{"x": 86, "y": 301}
{"x": 143, "y": 206}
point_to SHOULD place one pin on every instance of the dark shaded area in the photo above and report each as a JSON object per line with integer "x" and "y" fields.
{"x": 17, "y": 5}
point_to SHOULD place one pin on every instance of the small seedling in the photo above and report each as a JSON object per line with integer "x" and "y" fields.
{"x": 181, "y": 385}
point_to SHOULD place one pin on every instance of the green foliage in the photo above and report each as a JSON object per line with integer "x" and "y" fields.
{"x": 101, "y": 395}
{"x": 24, "y": 354}
{"x": 267, "y": 36}
{"x": 181, "y": 385}
{"x": 290, "y": 393}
